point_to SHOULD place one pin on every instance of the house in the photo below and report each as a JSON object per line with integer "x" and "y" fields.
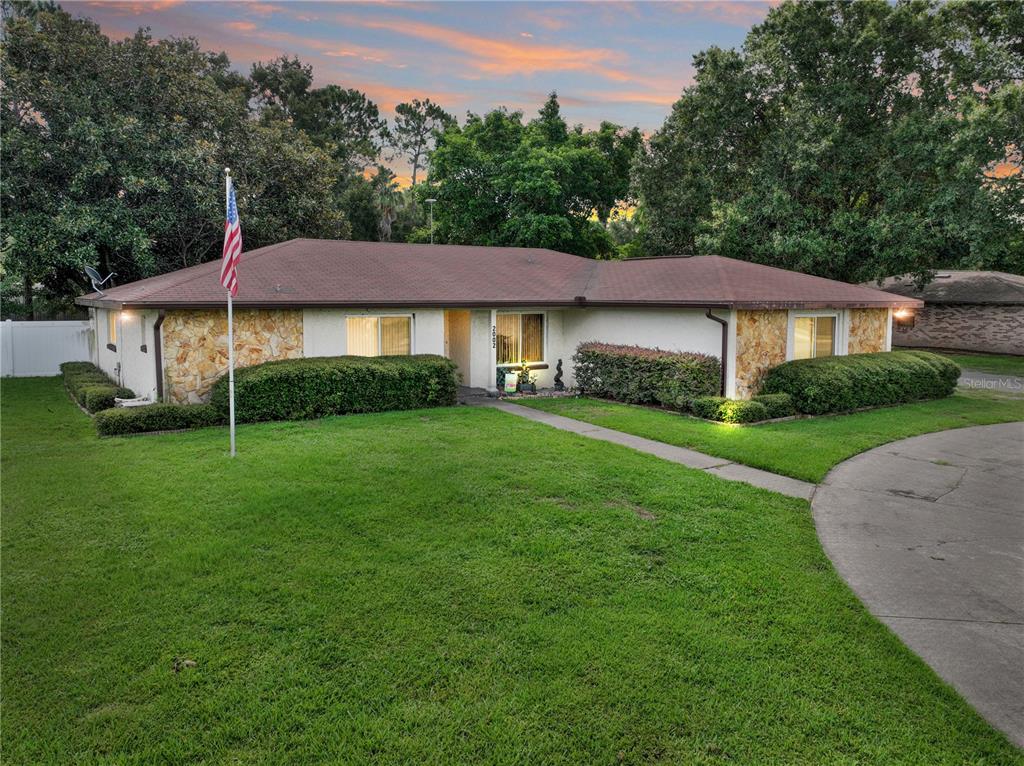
{"x": 963, "y": 310}
{"x": 482, "y": 307}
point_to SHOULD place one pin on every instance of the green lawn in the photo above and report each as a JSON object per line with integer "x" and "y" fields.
{"x": 804, "y": 449}
{"x": 999, "y": 364}
{"x": 445, "y": 586}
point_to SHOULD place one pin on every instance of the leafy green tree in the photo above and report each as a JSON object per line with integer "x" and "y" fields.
{"x": 341, "y": 120}
{"x": 500, "y": 182}
{"x": 113, "y": 156}
{"x": 346, "y": 123}
{"x": 849, "y": 140}
{"x": 388, "y": 198}
{"x": 417, "y": 124}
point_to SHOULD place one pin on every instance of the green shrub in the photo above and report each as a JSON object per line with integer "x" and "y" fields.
{"x": 90, "y": 386}
{"x": 729, "y": 410}
{"x": 156, "y": 417}
{"x": 844, "y": 383}
{"x": 101, "y": 397}
{"x": 294, "y": 389}
{"x": 778, "y": 405}
{"x": 645, "y": 375}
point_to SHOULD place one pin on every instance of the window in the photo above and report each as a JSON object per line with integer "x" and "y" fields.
{"x": 379, "y": 336}
{"x": 112, "y": 328}
{"x": 814, "y": 336}
{"x": 520, "y": 337}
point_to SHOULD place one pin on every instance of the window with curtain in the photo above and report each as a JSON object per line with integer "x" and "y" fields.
{"x": 379, "y": 336}
{"x": 813, "y": 337}
{"x": 520, "y": 337}
{"x": 112, "y": 328}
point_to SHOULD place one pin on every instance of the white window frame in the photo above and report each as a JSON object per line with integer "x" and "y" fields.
{"x": 839, "y": 342}
{"x": 520, "y": 312}
{"x": 380, "y": 329}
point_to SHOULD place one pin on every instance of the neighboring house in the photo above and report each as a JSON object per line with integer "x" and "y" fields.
{"x": 482, "y": 307}
{"x": 963, "y": 310}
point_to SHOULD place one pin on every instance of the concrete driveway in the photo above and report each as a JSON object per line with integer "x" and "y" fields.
{"x": 929, "y": 533}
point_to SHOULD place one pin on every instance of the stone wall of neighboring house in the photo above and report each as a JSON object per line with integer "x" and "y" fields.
{"x": 867, "y": 330}
{"x": 760, "y": 345}
{"x": 195, "y": 352}
{"x": 969, "y": 327}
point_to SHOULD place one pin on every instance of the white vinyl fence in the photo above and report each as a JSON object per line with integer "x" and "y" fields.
{"x": 38, "y": 348}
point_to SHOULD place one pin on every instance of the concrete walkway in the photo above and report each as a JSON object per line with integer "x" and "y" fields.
{"x": 929, "y": 533}
{"x": 726, "y": 469}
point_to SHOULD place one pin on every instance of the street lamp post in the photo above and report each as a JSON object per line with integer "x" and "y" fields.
{"x": 431, "y": 203}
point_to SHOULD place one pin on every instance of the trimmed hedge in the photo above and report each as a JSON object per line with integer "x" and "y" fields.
{"x": 294, "y": 389}
{"x": 90, "y": 386}
{"x": 156, "y": 417}
{"x": 729, "y": 410}
{"x": 778, "y": 405}
{"x": 844, "y": 383}
{"x": 645, "y": 375}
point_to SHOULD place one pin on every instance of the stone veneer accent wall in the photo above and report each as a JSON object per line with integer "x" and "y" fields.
{"x": 760, "y": 345}
{"x": 867, "y": 330}
{"x": 970, "y": 327}
{"x": 195, "y": 346}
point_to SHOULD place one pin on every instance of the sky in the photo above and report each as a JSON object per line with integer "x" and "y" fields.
{"x": 620, "y": 61}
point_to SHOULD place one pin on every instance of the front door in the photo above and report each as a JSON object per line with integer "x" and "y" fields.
{"x": 456, "y": 341}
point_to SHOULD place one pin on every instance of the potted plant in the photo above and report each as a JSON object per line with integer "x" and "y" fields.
{"x": 527, "y": 380}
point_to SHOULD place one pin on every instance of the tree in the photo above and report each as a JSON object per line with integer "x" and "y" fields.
{"x": 388, "y": 197}
{"x": 500, "y": 182}
{"x": 113, "y": 156}
{"x": 341, "y": 120}
{"x": 281, "y": 87}
{"x": 346, "y": 123}
{"x": 417, "y": 124}
{"x": 849, "y": 140}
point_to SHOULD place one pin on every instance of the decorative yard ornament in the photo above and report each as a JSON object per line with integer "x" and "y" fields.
{"x": 559, "y": 385}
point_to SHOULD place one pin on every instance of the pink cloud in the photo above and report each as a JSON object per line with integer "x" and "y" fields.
{"x": 135, "y": 8}
{"x": 743, "y": 13}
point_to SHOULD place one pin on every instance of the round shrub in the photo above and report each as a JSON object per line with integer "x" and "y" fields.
{"x": 156, "y": 417}
{"x": 645, "y": 375}
{"x": 844, "y": 383}
{"x": 294, "y": 389}
{"x": 729, "y": 410}
{"x": 778, "y": 405}
{"x": 101, "y": 397}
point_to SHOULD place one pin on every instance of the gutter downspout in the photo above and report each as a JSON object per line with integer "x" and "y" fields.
{"x": 725, "y": 345}
{"x": 157, "y": 356}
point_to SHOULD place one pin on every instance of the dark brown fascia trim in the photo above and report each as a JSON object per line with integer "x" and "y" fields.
{"x": 746, "y": 305}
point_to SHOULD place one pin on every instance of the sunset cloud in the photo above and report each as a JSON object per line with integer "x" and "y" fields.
{"x": 495, "y": 56}
{"x": 743, "y": 13}
{"x": 135, "y": 8}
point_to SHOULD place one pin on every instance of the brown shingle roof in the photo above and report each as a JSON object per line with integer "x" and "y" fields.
{"x": 308, "y": 272}
{"x": 987, "y": 287}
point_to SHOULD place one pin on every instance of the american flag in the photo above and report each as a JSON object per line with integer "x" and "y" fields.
{"x": 232, "y": 245}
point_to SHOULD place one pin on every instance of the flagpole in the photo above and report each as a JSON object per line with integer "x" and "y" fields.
{"x": 231, "y": 338}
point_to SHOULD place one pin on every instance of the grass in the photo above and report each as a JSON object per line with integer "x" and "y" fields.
{"x": 442, "y": 586}
{"x": 998, "y": 364}
{"x": 805, "y": 448}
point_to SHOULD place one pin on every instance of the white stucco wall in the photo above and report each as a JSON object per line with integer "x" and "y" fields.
{"x": 128, "y": 365}
{"x": 668, "y": 329}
